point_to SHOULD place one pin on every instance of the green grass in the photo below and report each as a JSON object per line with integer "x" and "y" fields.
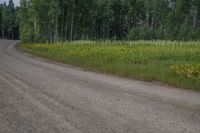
{"x": 144, "y": 60}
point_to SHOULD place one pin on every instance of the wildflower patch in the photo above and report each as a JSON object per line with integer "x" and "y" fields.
{"x": 186, "y": 70}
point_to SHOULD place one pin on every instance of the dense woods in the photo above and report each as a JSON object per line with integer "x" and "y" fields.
{"x": 9, "y": 26}
{"x": 60, "y": 20}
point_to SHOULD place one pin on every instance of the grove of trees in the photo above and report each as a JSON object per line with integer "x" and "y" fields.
{"x": 60, "y": 20}
{"x": 9, "y": 25}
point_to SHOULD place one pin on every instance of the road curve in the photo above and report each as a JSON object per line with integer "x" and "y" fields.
{"x": 41, "y": 97}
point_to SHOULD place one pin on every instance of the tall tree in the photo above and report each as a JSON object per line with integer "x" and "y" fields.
{"x": 60, "y": 20}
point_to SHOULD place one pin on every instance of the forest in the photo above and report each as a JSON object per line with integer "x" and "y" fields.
{"x": 61, "y": 20}
{"x": 9, "y": 24}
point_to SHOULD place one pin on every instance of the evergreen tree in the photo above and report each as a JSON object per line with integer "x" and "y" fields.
{"x": 8, "y": 21}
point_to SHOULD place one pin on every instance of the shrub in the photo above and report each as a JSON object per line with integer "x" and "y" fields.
{"x": 141, "y": 33}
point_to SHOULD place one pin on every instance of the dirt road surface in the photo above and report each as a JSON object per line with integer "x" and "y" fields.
{"x": 43, "y": 97}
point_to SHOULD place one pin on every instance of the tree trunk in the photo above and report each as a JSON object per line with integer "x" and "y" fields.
{"x": 72, "y": 26}
{"x": 195, "y": 20}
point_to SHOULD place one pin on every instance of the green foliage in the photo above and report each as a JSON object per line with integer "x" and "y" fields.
{"x": 9, "y": 27}
{"x": 134, "y": 34}
{"x": 184, "y": 32}
{"x": 146, "y": 60}
{"x": 30, "y": 35}
{"x": 141, "y": 34}
{"x": 60, "y": 20}
{"x": 27, "y": 34}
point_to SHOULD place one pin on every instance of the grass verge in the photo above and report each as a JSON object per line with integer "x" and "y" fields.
{"x": 143, "y": 60}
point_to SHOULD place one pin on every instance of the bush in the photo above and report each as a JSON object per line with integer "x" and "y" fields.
{"x": 134, "y": 34}
{"x": 26, "y": 34}
{"x": 29, "y": 35}
{"x": 141, "y": 33}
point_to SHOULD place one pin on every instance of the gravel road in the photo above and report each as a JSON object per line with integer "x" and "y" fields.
{"x": 38, "y": 96}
